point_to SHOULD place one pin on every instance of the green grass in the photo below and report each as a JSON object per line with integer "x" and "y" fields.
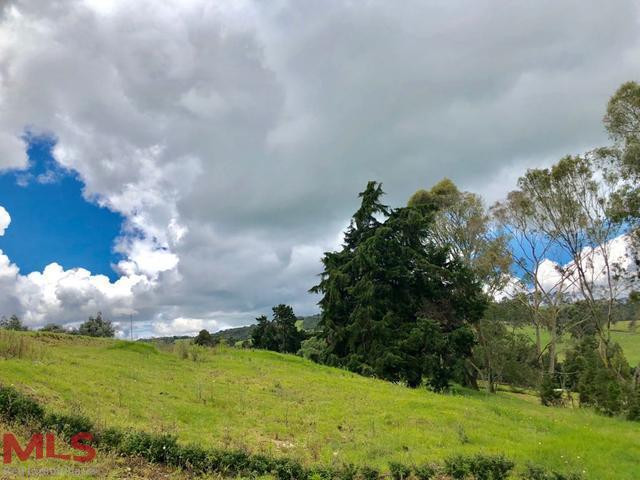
{"x": 284, "y": 405}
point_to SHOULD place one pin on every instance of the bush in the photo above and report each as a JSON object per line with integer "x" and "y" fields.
{"x": 399, "y": 471}
{"x": 456, "y": 467}
{"x": 67, "y": 425}
{"x": 110, "y": 438}
{"x": 154, "y": 448}
{"x": 533, "y": 472}
{"x": 633, "y": 412}
{"x": 16, "y": 407}
{"x": 368, "y": 473}
{"x": 425, "y": 472}
{"x": 287, "y": 469}
{"x": 487, "y": 467}
{"x": 550, "y": 395}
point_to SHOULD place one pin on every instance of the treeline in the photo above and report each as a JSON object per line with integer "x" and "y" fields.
{"x": 94, "y": 327}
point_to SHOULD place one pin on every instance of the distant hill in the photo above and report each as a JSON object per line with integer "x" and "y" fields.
{"x": 240, "y": 334}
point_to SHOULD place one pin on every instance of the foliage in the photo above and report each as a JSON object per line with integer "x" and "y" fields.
{"x": 12, "y": 323}
{"x": 205, "y": 339}
{"x": 53, "y": 328}
{"x": 399, "y": 471}
{"x": 394, "y": 305}
{"x": 504, "y": 356}
{"x": 312, "y": 348}
{"x": 279, "y": 334}
{"x": 97, "y": 327}
{"x": 606, "y": 388}
{"x": 550, "y": 393}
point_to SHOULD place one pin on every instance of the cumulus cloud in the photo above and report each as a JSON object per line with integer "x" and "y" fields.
{"x": 233, "y": 137}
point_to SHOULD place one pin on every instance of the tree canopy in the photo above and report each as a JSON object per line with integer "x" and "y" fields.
{"x": 396, "y": 305}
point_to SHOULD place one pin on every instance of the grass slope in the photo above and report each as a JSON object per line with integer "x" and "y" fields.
{"x": 281, "y": 404}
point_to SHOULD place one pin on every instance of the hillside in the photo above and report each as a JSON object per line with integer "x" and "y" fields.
{"x": 284, "y": 405}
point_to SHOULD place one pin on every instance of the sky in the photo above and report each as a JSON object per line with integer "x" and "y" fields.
{"x": 186, "y": 163}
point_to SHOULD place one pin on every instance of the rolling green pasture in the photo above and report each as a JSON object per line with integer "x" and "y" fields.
{"x": 285, "y": 405}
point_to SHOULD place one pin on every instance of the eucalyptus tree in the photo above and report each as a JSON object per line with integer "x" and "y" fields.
{"x": 571, "y": 208}
{"x": 541, "y": 284}
{"x": 462, "y": 225}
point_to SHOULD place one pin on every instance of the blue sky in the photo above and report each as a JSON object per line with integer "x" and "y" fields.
{"x": 50, "y": 219}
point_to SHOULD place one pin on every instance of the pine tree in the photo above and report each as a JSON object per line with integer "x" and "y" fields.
{"x": 394, "y": 305}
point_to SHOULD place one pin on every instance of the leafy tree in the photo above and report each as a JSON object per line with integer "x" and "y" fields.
{"x": 280, "y": 334}
{"x": 462, "y": 225}
{"x": 205, "y": 339}
{"x": 312, "y": 348}
{"x": 622, "y": 121}
{"x": 97, "y": 327}
{"x": 12, "y": 323}
{"x": 394, "y": 304}
{"x": 501, "y": 355}
{"x": 598, "y": 383}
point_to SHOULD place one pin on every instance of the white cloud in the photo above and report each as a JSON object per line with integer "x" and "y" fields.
{"x": 234, "y": 137}
{"x": 5, "y": 220}
{"x": 617, "y": 279}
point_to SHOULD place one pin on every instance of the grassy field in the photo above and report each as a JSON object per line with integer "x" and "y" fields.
{"x": 621, "y": 333}
{"x": 284, "y": 405}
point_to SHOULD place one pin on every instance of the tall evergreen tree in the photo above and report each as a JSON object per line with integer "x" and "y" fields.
{"x": 395, "y": 305}
{"x": 279, "y": 334}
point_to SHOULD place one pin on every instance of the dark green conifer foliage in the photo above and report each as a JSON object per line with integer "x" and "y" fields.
{"x": 394, "y": 305}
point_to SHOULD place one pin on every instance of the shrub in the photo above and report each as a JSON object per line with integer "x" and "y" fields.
{"x": 320, "y": 472}
{"x": 549, "y": 394}
{"x": 425, "y": 472}
{"x": 110, "y": 438}
{"x": 368, "y": 473}
{"x": 533, "y": 472}
{"x": 399, "y": 471}
{"x": 67, "y": 425}
{"x": 456, "y": 467}
{"x": 16, "y": 407}
{"x": 193, "y": 458}
{"x": 154, "y": 448}
{"x": 633, "y": 412}
{"x": 487, "y": 467}
{"x": 287, "y": 469}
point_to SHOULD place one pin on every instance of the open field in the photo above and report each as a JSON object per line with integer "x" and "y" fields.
{"x": 284, "y": 405}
